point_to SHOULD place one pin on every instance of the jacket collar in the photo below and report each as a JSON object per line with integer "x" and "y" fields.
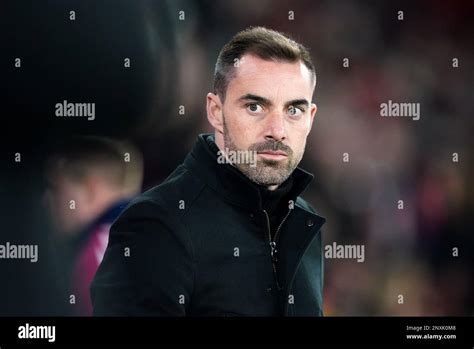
{"x": 229, "y": 181}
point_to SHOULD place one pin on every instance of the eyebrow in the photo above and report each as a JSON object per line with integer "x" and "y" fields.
{"x": 266, "y": 101}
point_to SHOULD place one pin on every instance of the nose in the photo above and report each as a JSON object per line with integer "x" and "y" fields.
{"x": 275, "y": 128}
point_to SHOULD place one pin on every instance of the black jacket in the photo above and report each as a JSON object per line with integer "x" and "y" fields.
{"x": 198, "y": 245}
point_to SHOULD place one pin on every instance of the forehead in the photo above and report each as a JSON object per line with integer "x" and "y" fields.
{"x": 268, "y": 77}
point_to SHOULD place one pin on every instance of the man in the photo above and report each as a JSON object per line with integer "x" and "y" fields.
{"x": 226, "y": 234}
{"x": 90, "y": 181}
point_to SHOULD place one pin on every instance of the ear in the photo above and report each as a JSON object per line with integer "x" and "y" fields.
{"x": 312, "y": 112}
{"x": 214, "y": 112}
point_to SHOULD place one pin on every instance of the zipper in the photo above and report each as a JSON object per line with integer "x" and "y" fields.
{"x": 273, "y": 244}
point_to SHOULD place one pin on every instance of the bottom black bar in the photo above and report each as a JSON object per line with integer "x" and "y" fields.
{"x": 399, "y": 332}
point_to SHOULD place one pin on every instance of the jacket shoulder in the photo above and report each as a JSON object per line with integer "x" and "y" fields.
{"x": 305, "y": 205}
{"x": 176, "y": 193}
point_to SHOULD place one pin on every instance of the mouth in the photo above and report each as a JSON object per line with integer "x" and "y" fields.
{"x": 273, "y": 155}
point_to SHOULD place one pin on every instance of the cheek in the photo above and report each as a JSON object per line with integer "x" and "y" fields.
{"x": 240, "y": 127}
{"x": 298, "y": 134}
{"x": 237, "y": 118}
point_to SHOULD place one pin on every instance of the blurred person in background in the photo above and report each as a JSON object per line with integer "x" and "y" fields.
{"x": 46, "y": 33}
{"x": 90, "y": 181}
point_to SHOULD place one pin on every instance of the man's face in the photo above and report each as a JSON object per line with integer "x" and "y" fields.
{"x": 268, "y": 110}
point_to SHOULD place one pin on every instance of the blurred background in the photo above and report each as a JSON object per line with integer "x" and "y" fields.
{"x": 148, "y": 65}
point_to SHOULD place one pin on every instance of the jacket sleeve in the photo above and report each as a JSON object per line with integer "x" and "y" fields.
{"x": 321, "y": 253}
{"x": 148, "y": 267}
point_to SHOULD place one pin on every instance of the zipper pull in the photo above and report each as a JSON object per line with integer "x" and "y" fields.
{"x": 273, "y": 251}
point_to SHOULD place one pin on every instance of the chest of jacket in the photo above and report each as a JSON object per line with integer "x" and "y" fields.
{"x": 235, "y": 271}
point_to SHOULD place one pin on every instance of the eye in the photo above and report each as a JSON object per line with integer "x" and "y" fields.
{"x": 254, "y": 107}
{"x": 295, "y": 111}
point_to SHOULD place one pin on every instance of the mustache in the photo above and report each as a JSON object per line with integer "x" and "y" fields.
{"x": 271, "y": 145}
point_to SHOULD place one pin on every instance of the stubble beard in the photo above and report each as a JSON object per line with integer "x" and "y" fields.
{"x": 266, "y": 172}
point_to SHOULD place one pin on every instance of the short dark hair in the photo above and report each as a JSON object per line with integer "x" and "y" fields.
{"x": 266, "y": 44}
